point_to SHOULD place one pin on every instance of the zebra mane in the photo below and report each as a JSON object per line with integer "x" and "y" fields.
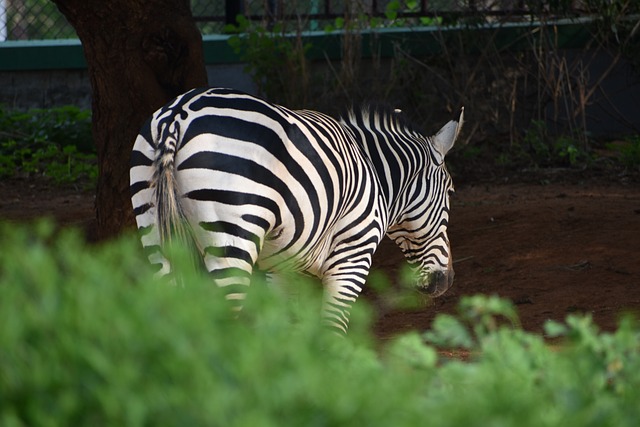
{"x": 356, "y": 115}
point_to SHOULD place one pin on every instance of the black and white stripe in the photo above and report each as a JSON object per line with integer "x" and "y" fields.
{"x": 249, "y": 184}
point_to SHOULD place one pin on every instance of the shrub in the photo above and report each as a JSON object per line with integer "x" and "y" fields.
{"x": 89, "y": 337}
{"x": 628, "y": 152}
{"x": 55, "y": 143}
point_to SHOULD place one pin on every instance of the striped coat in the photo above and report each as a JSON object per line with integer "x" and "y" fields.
{"x": 249, "y": 184}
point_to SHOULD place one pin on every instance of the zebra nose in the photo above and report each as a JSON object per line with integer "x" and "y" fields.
{"x": 437, "y": 282}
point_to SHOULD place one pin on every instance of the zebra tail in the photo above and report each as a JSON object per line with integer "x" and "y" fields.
{"x": 171, "y": 219}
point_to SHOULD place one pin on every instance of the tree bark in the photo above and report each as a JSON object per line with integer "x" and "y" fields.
{"x": 140, "y": 54}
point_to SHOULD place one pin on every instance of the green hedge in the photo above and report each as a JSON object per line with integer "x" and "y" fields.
{"x": 89, "y": 338}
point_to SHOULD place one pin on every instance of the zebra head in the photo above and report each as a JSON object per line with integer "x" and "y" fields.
{"x": 421, "y": 229}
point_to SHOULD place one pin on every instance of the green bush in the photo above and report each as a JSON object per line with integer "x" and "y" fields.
{"x": 628, "y": 152}
{"x": 55, "y": 143}
{"x": 540, "y": 149}
{"x": 89, "y": 337}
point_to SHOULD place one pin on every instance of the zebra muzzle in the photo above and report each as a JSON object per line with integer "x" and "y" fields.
{"x": 436, "y": 283}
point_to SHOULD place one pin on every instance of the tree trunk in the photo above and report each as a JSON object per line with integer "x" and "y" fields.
{"x": 140, "y": 54}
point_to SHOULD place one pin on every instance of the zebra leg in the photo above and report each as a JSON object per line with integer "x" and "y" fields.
{"x": 341, "y": 289}
{"x": 345, "y": 271}
{"x": 231, "y": 276}
{"x": 280, "y": 284}
{"x": 150, "y": 238}
{"x": 230, "y": 261}
{"x": 143, "y": 202}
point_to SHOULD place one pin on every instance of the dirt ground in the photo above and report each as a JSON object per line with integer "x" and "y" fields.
{"x": 553, "y": 249}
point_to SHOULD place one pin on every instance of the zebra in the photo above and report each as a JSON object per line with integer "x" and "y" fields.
{"x": 250, "y": 185}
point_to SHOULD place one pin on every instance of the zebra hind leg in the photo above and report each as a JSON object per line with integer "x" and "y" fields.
{"x": 234, "y": 283}
{"x": 231, "y": 269}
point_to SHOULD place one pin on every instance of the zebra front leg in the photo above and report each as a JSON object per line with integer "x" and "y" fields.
{"x": 345, "y": 273}
{"x": 339, "y": 295}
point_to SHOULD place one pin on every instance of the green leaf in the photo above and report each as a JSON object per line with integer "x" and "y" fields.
{"x": 555, "y": 329}
{"x": 447, "y": 331}
{"x": 410, "y": 349}
{"x": 391, "y": 11}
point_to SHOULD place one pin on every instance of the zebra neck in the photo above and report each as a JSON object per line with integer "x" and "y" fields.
{"x": 396, "y": 151}
{"x": 396, "y": 171}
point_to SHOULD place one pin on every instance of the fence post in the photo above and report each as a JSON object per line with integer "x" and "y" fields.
{"x": 232, "y": 8}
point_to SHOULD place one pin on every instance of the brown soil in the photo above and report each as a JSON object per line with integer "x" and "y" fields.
{"x": 552, "y": 249}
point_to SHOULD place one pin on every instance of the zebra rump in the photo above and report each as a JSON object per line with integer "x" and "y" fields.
{"x": 247, "y": 185}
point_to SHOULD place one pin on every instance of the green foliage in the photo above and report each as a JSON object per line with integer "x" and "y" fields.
{"x": 395, "y": 8}
{"x": 535, "y": 140}
{"x": 478, "y": 317}
{"x": 569, "y": 151}
{"x": 629, "y": 152}
{"x": 275, "y": 60}
{"x": 539, "y": 148}
{"x": 393, "y": 17}
{"x": 516, "y": 378}
{"x": 55, "y": 143}
{"x": 511, "y": 83}
{"x": 89, "y": 337}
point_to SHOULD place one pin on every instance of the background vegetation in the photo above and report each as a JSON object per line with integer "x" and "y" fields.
{"x": 54, "y": 143}
{"x": 526, "y": 105}
{"x": 526, "y": 99}
{"x": 88, "y": 337}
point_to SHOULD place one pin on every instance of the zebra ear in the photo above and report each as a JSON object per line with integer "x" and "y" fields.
{"x": 445, "y": 138}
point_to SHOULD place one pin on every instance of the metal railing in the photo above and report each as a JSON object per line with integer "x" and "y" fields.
{"x": 321, "y": 14}
{"x": 32, "y": 20}
{"x": 40, "y": 19}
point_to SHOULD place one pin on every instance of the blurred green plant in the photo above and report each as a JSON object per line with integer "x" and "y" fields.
{"x": 89, "y": 337}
